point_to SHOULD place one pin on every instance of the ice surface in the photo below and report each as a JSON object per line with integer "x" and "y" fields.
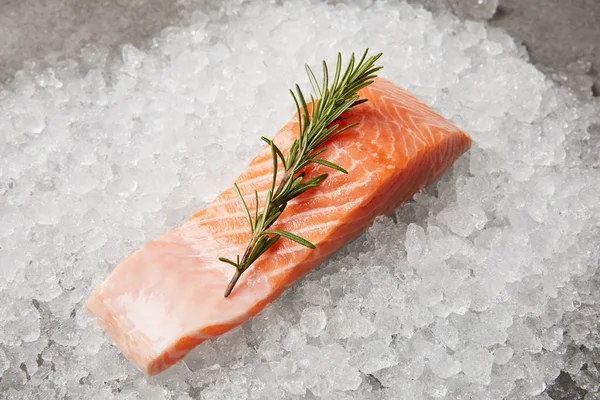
{"x": 313, "y": 321}
{"x": 484, "y": 286}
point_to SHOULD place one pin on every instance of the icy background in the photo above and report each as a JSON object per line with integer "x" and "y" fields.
{"x": 486, "y": 286}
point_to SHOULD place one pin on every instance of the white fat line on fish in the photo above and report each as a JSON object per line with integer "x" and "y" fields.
{"x": 302, "y": 230}
{"x": 269, "y": 178}
{"x": 428, "y": 115}
{"x": 297, "y": 247}
{"x": 331, "y": 155}
{"x": 217, "y": 266}
{"x": 293, "y": 247}
{"x": 420, "y": 128}
{"x": 308, "y": 213}
{"x": 247, "y": 197}
{"x": 292, "y": 265}
{"x": 288, "y": 250}
{"x": 411, "y": 124}
{"x": 294, "y": 217}
{"x": 235, "y": 248}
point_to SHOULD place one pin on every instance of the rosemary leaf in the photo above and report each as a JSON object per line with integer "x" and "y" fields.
{"x": 228, "y": 261}
{"x": 243, "y": 205}
{"x": 293, "y": 237}
{"x": 255, "y": 209}
{"x": 274, "y": 169}
{"x": 279, "y": 153}
{"x": 331, "y": 165}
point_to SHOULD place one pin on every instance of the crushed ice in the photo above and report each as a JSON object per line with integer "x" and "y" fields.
{"x": 486, "y": 285}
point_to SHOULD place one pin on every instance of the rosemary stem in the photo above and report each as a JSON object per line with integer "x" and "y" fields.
{"x": 247, "y": 252}
{"x": 233, "y": 281}
{"x": 286, "y": 178}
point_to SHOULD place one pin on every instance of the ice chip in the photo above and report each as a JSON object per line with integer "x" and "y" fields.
{"x": 477, "y": 364}
{"x": 376, "y": 356}
{"x": 502, "y": 355}
{"x": 313, "y": 321}
{"x": 415, "y": 243}
{"x": 464, "y": 221}
{"x": 4, "y": 362}
{"x": 444, "y": 365}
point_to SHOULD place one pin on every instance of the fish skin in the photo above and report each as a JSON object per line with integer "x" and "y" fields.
{"x": 167, "y": 297}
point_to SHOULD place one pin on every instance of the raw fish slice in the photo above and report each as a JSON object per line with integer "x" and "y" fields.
{"x": 167, "y": 297}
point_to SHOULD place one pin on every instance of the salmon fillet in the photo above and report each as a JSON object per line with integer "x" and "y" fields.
{"x": 167, "y": 298}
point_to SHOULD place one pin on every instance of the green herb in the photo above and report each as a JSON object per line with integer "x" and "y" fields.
{"x": 316, "y": 128}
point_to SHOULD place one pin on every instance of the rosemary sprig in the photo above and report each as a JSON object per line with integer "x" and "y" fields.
{"x": 316, "y": 128}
